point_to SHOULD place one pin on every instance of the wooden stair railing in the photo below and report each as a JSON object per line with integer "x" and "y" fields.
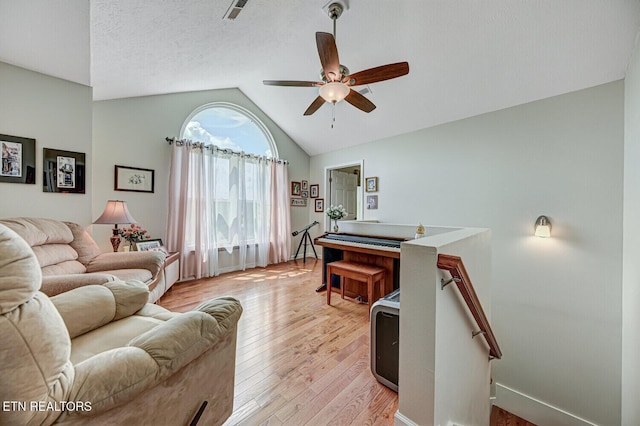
{"x": 454, "y": 265}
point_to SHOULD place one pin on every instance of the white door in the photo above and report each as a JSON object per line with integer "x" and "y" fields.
{"x": 344, "y": 190}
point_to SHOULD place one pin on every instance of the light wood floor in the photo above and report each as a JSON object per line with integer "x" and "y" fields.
{"x": 298, "y": 360}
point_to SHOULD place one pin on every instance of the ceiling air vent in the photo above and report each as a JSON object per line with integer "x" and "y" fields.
{"x": 235, "y": 9}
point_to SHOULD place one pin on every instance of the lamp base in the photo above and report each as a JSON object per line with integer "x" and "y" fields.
{"x": 115, "y": 242}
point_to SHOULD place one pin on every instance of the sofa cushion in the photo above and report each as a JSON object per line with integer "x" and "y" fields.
{"x": 143, "y": 275}
{"x": 37, "y": 232}
{"x": 56, "y": 284}
{"x": 52, "y": 254}
{"x": 116, "y": 334}
{"x": 83, "y": 243}
{"x": 99, "y": 308}
{"x": 20, "y": 274}
{"x": 63, "y": 268}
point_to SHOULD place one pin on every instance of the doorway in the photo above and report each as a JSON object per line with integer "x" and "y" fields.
{"x": 344, "y": 183}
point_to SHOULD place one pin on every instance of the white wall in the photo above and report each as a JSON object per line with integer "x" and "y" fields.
{"x": 631, "y": 247}
{"x": 57, "y": 114}
{"x": 556, "y": 302}
{"x": 131, "y": 132}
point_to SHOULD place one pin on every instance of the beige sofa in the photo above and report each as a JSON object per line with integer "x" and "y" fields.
{"x": 99, "y": 355}
{"x": 70, "y": 258}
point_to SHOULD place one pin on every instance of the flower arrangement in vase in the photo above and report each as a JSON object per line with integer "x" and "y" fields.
{"x": 335, "y": 213}
{"x": 133, "y": 234}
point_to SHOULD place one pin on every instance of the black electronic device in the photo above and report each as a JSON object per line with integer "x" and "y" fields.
{"x": 385, "y": 338}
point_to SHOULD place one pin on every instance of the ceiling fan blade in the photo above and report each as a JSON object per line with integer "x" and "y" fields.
{"x": 315, "y": 105}
{"x": 328, "y": 56}
{"x": 359, "y": 101}
{"x": 293, "y": 83}
{"x": 381, "y": 73}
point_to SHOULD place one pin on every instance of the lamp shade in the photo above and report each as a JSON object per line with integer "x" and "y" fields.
{"x": 334, "y": 92}
{"x": 543, "y": 227}
{"x": 115, "y": 212}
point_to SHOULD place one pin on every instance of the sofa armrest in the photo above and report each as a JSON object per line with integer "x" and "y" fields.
{"x": 152, "y": 261}
{"x": 179, "y": 341}
{"x": 226, "y": 310}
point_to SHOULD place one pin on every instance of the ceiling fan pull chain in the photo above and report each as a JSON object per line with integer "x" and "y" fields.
{"x": 333, "y": 114}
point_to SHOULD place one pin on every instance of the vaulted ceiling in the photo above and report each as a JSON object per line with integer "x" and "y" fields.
{"x": 466, "y": 57}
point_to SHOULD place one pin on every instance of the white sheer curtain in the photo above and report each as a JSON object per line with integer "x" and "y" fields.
{"x": 225, "y": 210}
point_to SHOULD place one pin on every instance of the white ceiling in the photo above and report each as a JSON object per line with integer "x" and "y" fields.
{"x": 466, "y": 57}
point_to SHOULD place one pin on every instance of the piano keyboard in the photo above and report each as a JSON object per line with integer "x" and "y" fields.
{"x": 362, "y": 241}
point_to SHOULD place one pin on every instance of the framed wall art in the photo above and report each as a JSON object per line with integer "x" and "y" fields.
{"x": 63, "y": 171}
{"x": 133, "y": 179}
{"x": 372, "y": 184}
{"x": 319, "y": 205}
{"x": 296, "y": 189}
{"x": 298, "y": 202}
{"x": 18, "y": 158}
{"x": 314, "y": 190}
{"x": 372, "y": 202}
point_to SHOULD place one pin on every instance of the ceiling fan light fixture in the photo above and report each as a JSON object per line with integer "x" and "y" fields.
{"x": 334, "y": 92}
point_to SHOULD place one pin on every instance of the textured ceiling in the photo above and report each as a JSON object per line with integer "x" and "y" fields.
{"x": 466, "y": 57}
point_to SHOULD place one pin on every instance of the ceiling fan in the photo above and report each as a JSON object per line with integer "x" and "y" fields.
{"x": 337, "y": 83}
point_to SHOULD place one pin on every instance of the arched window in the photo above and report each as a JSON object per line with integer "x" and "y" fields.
{"x": 233, "y": 197}
{"x": 229, "y": 126}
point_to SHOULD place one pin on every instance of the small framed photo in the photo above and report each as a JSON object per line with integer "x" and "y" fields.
{"x": 372, "y": 202}
{"x": 296, "y": 189}
{"x": 133, "y": 179}
{"x": 149, "y": 245}
{"x": 64, "y": 171}
{"x": 372, "y": 184}
{"x": 298, "y": 202}
{"x": 304, "y": 194}
{"x": 305, "y": 185}
{"x": 314, "y": 190}
{"x": 319, "y": 205}
{"x": 18, "y": 159}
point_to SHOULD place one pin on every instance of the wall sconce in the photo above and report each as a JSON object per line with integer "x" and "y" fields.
{"x": 114, "y": 213}
{"x": 542, "y": 227}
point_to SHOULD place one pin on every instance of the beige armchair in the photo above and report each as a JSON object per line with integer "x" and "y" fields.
{"x": 99, "y": 354}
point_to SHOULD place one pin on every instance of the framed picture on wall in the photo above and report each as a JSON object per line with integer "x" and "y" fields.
{"x": 18, "y": 159}
{"x": 372, "y": 202}
{"x": 296, "y": 189}
{"x": 133, "y": 179}
{"x": 305, "y": 185}
{"x": 314, "y": 190}
{"x": 319, "y": 205}
{"x": 64, "y": 171}
{"x": 371, "y": 184}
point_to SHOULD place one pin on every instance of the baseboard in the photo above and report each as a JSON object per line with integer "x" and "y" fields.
{"x": 401, "y": 420}
{"x": 534, "y": 410}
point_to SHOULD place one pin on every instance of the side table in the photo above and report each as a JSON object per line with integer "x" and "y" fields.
{"x": 171, "y": 269}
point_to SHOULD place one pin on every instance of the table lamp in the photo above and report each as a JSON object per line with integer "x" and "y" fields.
{"x": 114, "y": 213}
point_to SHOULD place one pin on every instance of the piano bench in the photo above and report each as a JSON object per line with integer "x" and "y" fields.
{"x": 370, "y": 274}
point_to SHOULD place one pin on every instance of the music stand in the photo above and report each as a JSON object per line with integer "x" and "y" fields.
{"x": 305, "y": 237}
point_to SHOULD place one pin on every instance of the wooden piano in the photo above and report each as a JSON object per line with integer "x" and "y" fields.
{"x": 377, "y": 250}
